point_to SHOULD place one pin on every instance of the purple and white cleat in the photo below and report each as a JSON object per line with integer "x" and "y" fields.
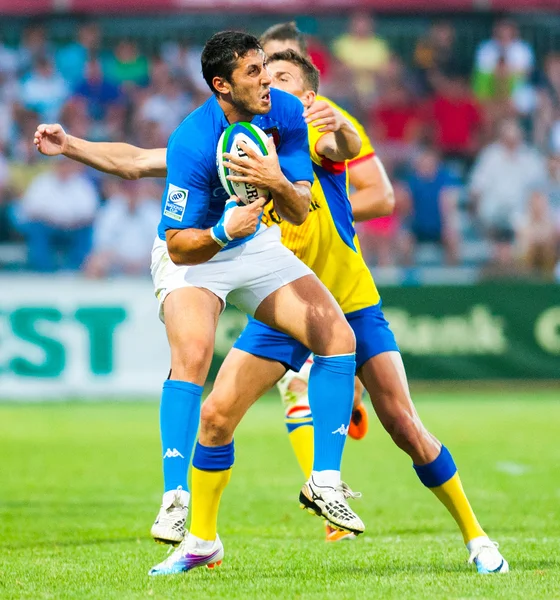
{"x": 190, "y": 554}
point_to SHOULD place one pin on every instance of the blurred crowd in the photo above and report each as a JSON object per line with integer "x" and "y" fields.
{"x": 472, "y": 145}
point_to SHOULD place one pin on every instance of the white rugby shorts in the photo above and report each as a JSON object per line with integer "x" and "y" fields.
{"x": 244, "y": 275}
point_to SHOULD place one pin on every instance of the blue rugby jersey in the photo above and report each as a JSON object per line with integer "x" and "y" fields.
{"x": 193, "y": 196}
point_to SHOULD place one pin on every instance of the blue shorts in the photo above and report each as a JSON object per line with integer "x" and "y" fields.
{"x": 373, "y": 336}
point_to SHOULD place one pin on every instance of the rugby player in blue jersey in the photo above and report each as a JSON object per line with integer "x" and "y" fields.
{"x": 209, "y": 248}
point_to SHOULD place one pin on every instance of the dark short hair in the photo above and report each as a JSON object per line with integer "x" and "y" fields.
{"x": 308, "y": 69}
{"x": 283, "y": 32}
{"x": 221, "y": 53}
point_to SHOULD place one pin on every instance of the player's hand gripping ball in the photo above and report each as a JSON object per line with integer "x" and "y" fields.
{"x": 256, "y": 139}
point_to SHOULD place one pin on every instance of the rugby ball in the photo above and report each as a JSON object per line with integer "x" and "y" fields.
{"x": 256, "y": 139}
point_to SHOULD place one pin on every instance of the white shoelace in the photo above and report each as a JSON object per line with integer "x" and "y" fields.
{"x": 345, "y": 490}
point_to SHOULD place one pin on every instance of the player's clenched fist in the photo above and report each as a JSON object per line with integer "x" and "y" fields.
{"x": 244, "y": 220}
{"x": 50, "y": 139}
{"x": 237, "y": 221}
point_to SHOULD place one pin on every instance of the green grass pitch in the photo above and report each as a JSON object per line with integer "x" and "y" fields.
{"x": 80, "y": 484}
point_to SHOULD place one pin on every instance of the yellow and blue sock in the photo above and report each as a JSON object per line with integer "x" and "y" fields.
{"x": 331, "y": 395}
{"x": 179, "y": 419}
{"x": 442, "y": 478}
{"x": 300, "y": 432}
{"x": 211, "y": 473}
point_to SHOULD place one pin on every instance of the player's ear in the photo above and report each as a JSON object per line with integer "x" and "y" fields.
{"x": 221, "y": 85}
{"x": 308, "y": 98}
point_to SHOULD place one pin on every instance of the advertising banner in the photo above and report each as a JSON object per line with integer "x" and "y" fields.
{"x": 66, "y": 337}
{"x": 69, "y": 337}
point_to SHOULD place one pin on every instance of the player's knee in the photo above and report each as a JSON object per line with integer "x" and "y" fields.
{"x": 343, "y": 340}
{"x": 215, "y": 425}
{"x": 191, "y": 360}
{"x": 298, "y": 386}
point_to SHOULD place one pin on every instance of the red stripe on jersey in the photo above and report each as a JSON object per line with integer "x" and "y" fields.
{"x": 336, "y": 168}
{"x": 357, "y": 161}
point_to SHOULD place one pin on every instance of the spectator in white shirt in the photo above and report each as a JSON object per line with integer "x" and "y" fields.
{"x": 502, "y": 180}
{"x": 167, "y": 107}
{"x": 503, "y": 65}
{"x": 118, "y": 249}
{"x": 56, "y": 215}
{"x": 44, "y": 91}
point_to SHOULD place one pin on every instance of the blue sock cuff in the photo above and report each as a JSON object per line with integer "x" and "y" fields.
{"x": 213, "y": 458}
{"x": 184, "y": 386}
{"x": 341, "y": 364}
{"x": 438, "y": 471}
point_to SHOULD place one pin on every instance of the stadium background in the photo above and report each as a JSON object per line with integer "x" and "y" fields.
{"x": 472, "y": 298}
{"x": 133, "y": 75}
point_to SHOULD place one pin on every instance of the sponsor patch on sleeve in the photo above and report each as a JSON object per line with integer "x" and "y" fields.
{"x": 175, "y": 203}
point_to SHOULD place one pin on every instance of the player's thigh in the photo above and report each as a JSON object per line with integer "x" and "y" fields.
{"x": 241, "y": 381}
{"x": 307, "y": 311}
{"x": 191, "y": 317}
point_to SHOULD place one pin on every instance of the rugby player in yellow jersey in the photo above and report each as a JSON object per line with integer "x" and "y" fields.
{"x": 261, "y": 355}
{"x": 383, "y": 372}
{"x": 327, "y": 242}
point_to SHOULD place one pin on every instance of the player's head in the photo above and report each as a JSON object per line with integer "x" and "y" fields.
{"x": 295, "y": 74}
{"x": 283, "y": 36}
{"x": 234, "y": 67}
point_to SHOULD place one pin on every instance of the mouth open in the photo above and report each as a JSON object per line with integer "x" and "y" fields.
{"x": 266, "y": 97}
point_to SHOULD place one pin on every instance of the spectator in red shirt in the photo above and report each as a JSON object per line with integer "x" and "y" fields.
{"x": 453, "y": 119}
{"x": 396, "y": 123}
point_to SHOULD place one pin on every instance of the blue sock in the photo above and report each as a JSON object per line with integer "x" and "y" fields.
{"x": 438, "y": 471}
{"x": 213, "y": 458}
{"x": 331, "y": 396}
{"x": 179, "y": 419}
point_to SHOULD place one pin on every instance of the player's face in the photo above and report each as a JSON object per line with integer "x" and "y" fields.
{"x": 250, "y": 84}
{"x": 287, "y": 77}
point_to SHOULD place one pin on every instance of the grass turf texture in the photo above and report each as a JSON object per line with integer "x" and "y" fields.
{"x": 80, "y": 486}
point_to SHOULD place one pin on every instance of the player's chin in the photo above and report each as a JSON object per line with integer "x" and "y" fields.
{"x": 263, "y": 105}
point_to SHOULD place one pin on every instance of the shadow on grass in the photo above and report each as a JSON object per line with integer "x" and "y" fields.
{"x": 68, "y": 543}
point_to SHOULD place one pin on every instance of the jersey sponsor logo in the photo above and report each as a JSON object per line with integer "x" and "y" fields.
{"x": 169, "y": 453}
{"x": 175, "y": 203}
{"x": 343, "y": 430}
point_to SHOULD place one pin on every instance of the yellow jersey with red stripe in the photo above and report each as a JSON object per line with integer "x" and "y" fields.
{"x": 327, "y": 242}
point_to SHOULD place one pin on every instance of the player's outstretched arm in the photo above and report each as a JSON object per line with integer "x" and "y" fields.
{"x": 291, "y": 200}
{"x": 374, "y": 195}
{"x": 123, "y": 160}
{"x": 197, "y": 246}
{"x": 340, "y": 140}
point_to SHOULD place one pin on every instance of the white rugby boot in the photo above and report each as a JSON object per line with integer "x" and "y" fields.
{"x": 331, "y": 504}
{"x": 190, "y": 554}
{"x": 484, "y": 553}
{"x": 169, "y": 526}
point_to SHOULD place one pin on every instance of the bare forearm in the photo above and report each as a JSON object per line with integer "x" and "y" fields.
{"x": 123, "y": 160}
{"x": 374, "y": 195}
{"x": 291, "y": 201}
{"x": 191, "y": 246}
{"x": 348, "y": 141}
{"x": 343, "y": 144}
{"x": 368, "y": 204}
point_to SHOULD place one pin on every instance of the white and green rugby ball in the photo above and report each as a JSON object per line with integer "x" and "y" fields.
{"x": 256, "y": 139}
